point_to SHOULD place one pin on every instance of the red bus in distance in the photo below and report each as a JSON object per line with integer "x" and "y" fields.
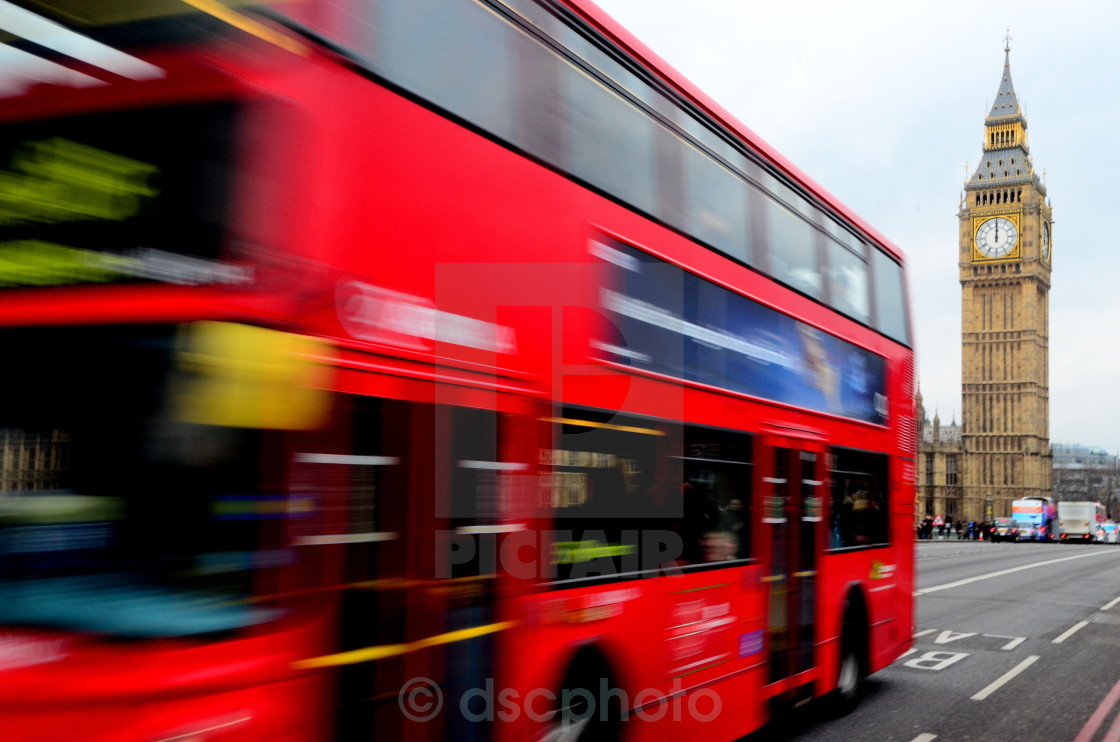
{"x": 428, "y": 369}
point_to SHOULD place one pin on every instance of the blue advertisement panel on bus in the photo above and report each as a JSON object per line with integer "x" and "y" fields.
{"x": 669, "y": 321}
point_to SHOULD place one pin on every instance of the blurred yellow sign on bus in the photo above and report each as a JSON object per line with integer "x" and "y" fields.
{"x": 250, "y": 377}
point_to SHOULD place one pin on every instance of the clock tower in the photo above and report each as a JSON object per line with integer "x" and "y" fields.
{"x": 1005, "y": 257}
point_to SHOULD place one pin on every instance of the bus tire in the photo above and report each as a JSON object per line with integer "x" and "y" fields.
{"x": 588, "y": 676}
{"x": 853, "y": 665}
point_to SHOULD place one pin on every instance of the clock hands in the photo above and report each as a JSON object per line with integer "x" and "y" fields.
{"x": 996, "y": 237}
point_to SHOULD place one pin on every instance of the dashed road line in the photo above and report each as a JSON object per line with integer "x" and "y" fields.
{"x": 1005, "y": 678}
{"x": 1070, "y": 632}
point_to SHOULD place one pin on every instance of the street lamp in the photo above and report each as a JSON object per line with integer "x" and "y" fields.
{"x": 988, "y": 507}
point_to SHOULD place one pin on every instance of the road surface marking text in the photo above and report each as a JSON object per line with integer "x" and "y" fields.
{"x": 1015, "y": 641}
{"x": 935, "y": 661}
{"x": 946, "y": 636}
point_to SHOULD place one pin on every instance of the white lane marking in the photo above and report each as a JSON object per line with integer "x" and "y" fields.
{"x": 1070, "y": 631}
{"x": 1005, "y": 678}
{"x": 1002, "y": 572}
{"x": 1015, "y": 640}
{"x": 923, "y": 632}
{"x": 924, "y": 738}
{"x": 1111, "y": 604}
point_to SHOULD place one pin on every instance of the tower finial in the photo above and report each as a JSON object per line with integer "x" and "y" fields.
{"x": 1007, "y": 41}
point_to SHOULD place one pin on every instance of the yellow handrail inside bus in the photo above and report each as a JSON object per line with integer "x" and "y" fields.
{"x": 604, "y": 426}
{"x": 249, "y": 26}
{"x": 373, "y": 654}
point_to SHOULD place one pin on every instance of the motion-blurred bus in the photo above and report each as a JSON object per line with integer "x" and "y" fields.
{"x": 428, "y": 370}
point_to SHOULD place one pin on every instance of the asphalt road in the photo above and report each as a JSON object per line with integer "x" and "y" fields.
{"x": 1013, "y": 642}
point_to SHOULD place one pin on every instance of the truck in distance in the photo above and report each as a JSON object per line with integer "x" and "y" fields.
{"x": 1078, "y": 520}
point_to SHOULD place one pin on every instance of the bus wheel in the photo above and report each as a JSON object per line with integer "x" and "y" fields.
{"x": 576, "y": 722}
{"x": 579, "y": 715}
{"x": 853, "y": 664}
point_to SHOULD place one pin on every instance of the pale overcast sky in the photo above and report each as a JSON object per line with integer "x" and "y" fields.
{"x": 883, "y": 104}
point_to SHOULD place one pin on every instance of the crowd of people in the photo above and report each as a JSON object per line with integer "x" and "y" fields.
{"x": 945, "y": 528}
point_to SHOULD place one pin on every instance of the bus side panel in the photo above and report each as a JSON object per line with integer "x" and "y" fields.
{"x": 291, "y": 711}
{"x": 667, "y": 683}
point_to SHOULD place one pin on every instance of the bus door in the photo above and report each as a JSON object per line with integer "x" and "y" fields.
{"x": 356, "y": 473}
{"x": 791, "y": 519}
{"x": 411, "y": 490}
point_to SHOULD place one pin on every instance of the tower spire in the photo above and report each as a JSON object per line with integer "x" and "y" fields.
{"x": 1006, "y": 104}
{"x": 1005, "y": 160}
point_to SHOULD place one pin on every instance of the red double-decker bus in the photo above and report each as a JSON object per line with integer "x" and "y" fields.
{"x": 440, "y": 369}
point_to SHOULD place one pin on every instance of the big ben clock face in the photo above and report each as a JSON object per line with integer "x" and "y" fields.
{"x": 1045, "y": 240}
{"x": 996, "y": 237}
